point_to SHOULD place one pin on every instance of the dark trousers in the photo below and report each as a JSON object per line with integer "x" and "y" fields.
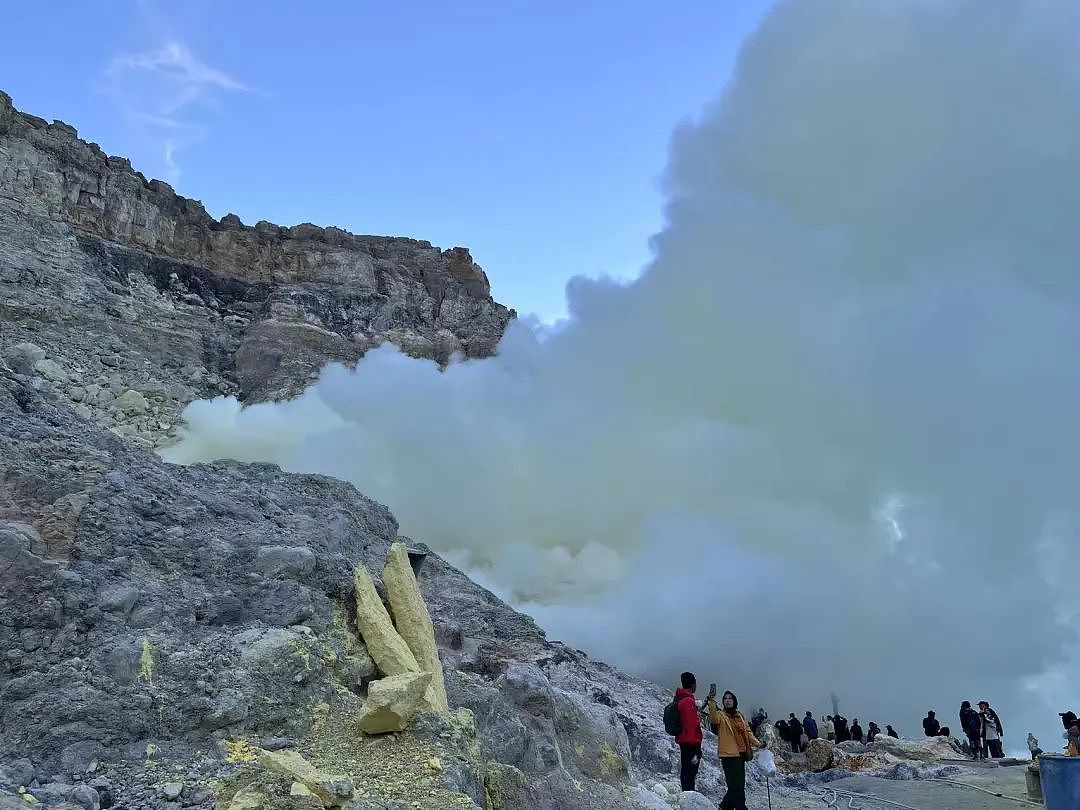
{"x": 993, "y": 747}
{"x": 735, "y": 777}
{"x": 975, "y": 743}
{"x": 690, "y": 759}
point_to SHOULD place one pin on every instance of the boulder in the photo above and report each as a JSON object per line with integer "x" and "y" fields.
{"x": 393, "y": 702}
{"x": 929, "y": 749}
{"x": 414, "y": 622}
{"x": 819, "y": 755}
{"x": 131, "y": 402}
{"x": 392, "y": 655}
{"x": 332, "y": 791}
{"x": 51, "y": 371}
{"x": 692, "y": 800}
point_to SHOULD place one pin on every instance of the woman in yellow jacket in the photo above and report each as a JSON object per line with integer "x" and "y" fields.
{"x": 735, "y": 747}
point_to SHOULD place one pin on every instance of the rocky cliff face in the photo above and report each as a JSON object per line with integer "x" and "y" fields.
{"x": 158, "y": 623}
{"x": 127, "y": 286}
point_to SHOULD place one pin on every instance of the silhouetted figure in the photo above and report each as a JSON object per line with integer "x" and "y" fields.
{"x": 872, "y": 731}
{"x": 842, "y": 733}
{"x": 930, "y": 725}
{"x": 971, "y": 724}
{"x": 892, "y": 732}
{"x": 856, "y": 731}
{"x": 810, "y": 724}
{"x": 795, "y": 729}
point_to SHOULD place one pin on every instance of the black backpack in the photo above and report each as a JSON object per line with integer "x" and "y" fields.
{"x": 673, "y": 719}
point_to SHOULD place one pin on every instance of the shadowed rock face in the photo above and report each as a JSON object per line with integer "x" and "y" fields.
{"x": 118, "y": 277}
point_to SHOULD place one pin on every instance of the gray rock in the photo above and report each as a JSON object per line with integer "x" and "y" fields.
{"x": 172, "y": 790}
{"x": 289, "y": 561}
{"x": 85, "y": 796}
{"x": 18, "y": 773}
{"x": 22, "y": 357}
{"x": 692, "y": 800}
{"x": 51, "y": 371}
{"x": 131, "y": 402}
{"x": 229, "y": 707}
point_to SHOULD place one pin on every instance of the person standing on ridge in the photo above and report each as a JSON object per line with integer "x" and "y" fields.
{"x": 810, "y": 724}
{"x": 842, "y": 733}
{"x": 735, "y": 744}
{"x": 889, "y": 730}
{"x": 872, "y": 731}
{"x": 991, "y": 731}
{"x": 689, "y": 738}
{"x": 971, "y": 724}
{"x": 795, "y": 729}
{"x": 830, "y": 729}
{"x": 930, "y": 725}
{"x": 856, "y": 731}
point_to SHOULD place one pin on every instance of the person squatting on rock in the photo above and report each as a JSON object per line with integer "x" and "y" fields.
{"x": 971, "y": 724}
{"x": 890, "y": 731}
{"x": 689, "y": 738}
{"x": 735, "y": 744}
{"x": 930, "y": 725}
{"x": 991, "y": 731}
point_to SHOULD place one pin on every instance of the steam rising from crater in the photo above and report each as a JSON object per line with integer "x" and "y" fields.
{"x": 829, "y": 440}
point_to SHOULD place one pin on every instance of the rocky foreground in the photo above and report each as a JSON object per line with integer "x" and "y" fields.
{"x": 204, "y": 636}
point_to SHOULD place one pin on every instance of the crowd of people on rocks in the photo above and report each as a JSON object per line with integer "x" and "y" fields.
{"x": 834, "y": 728}
{"x": 736, "y": 738}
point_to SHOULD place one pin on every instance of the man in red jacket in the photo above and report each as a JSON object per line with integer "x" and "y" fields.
{"x": 690, "y": 739}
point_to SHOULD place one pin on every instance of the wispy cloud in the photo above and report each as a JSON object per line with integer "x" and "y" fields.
{"x": 172, "y": 92}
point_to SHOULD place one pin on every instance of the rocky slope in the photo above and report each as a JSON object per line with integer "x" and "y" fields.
{"x": 160, "y": 623}
{"x": 127, "y": 286}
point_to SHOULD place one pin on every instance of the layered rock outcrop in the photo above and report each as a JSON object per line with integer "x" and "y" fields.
{"x": 138, "y": 301}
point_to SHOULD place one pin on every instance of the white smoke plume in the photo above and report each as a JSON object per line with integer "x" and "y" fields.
{"x": 829, "y": 440}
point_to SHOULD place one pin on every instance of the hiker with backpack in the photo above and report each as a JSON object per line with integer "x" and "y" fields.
{"x": 735, "y": 744}
{"x": 681, "y": 722}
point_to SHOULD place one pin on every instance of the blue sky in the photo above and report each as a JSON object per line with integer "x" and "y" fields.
{"x": 534, "y": 134}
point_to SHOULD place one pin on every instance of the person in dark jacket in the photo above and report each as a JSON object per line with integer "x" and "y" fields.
{"x": 795, "y": 732}
{"x": 992, "y": 733}
{"x": 930, "y": 725}
{"x": 842, "y": 733}
{"x": 810, "y": 724}
{"x": 1072, "y": 733}
{"x": 872, "y": 731}
{"x": 856, "y": 730}
{"x": 689, "y": 738}
{"x": 971, "y": 724}
{"x": 892, "y": 732}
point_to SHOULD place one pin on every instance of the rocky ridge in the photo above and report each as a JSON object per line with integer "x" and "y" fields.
{"x": 164, "y": 627}
{"x": 133, "y": 300}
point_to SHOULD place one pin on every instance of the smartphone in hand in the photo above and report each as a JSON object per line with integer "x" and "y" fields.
{"x": 712, "y": 690}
